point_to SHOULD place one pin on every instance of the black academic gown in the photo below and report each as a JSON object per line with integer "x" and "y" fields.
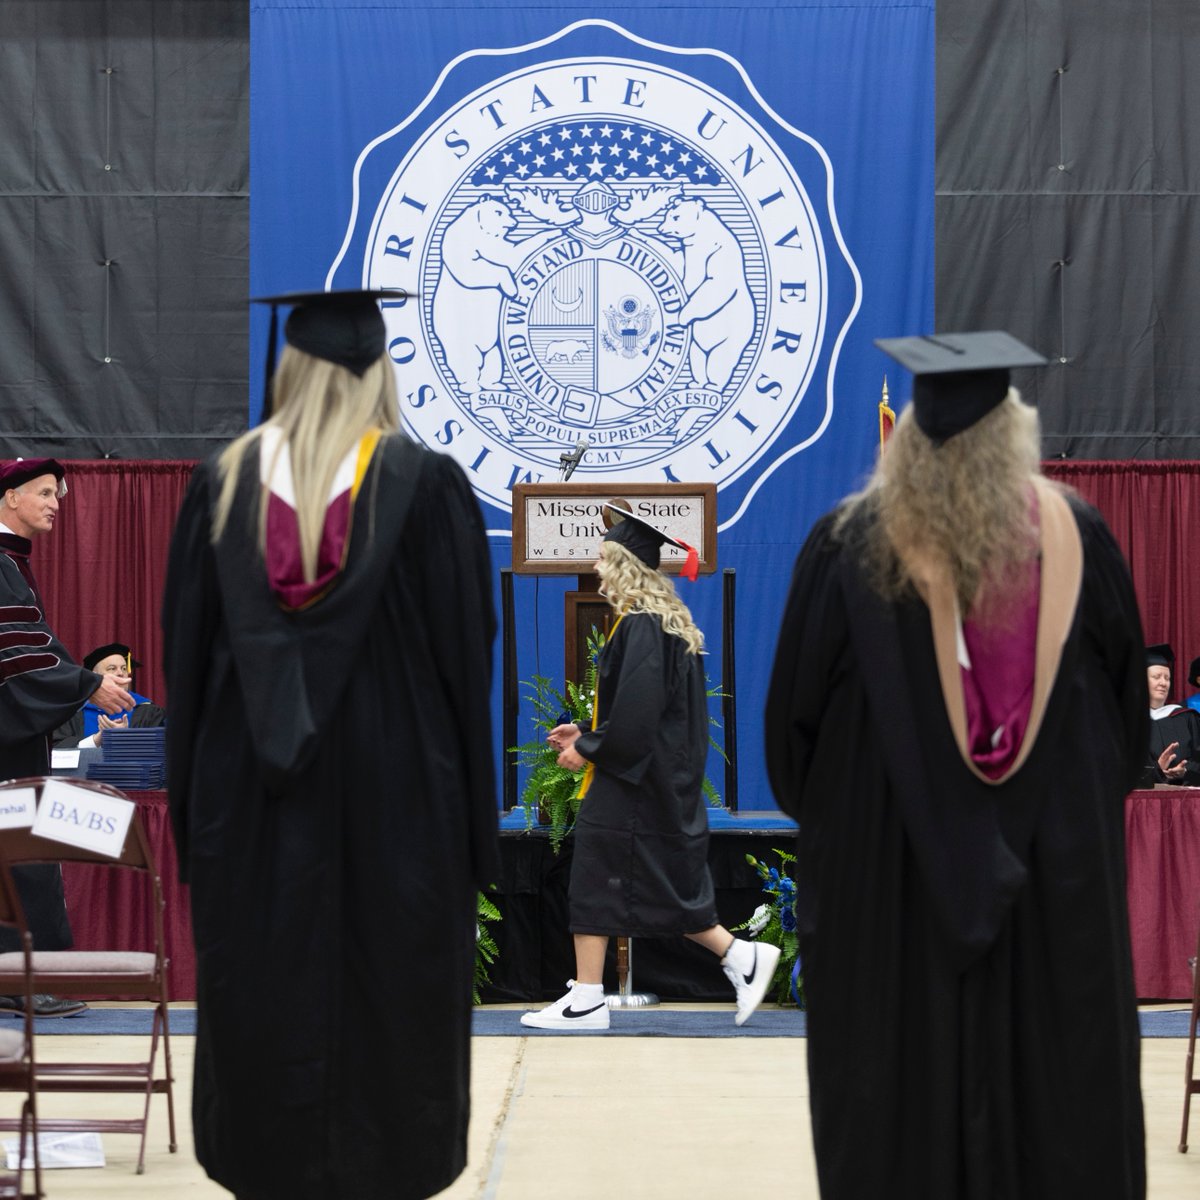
{"x": 331, "y": 787}
{"x": 144, "y": 716}
{"x": 972, "y": 1022}
{"x": 1182, "y": 726}
{"x": 39, "y": 688}
{"x": 640, "y": 865}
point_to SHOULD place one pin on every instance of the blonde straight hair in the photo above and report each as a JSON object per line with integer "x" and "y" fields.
{"x": 631, "y": 586}
{"x": 323, "y": 411}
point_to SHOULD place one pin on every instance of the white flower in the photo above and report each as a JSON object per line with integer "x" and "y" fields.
{"x": 478, "y": 931}
{"x": 760, "y": 920}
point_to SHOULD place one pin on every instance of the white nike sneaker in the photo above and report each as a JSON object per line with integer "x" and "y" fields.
{"x": 751, "y": 986}
{"x": 562, "y": 1014}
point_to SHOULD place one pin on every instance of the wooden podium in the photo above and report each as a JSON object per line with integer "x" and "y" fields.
{"x": 557, "y": 529}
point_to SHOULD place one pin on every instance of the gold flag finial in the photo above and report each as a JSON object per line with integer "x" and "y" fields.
{"x": 887, "y": 418}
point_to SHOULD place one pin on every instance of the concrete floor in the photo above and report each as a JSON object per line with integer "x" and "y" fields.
{"x": 581, "y": 1118}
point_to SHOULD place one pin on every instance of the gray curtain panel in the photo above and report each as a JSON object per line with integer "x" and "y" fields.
{"x": 124, "y": 226}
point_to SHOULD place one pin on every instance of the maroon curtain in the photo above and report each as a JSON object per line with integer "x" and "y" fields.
{"x": 1162, "y": 852}
{"x": 1153, "y": 509}
{"x": 103, "y": 567}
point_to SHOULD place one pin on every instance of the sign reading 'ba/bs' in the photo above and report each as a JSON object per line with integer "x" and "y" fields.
{"x": 83, "y": 817}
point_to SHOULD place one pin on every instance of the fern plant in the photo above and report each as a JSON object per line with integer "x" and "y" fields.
{"x": 551, "y": 792}
{"x": 486, "y": 949}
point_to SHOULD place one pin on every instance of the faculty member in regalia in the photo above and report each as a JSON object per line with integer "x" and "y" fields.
{"x": 328, "y": 629}
{"x": 86, "y": 728}
{"x": 1174, "y": 755}
{"x": 640, "y": 865}
{"x": 40, "y": 687}
{"x": 956, "y": 712}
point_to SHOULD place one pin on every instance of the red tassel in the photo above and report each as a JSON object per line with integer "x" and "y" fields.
{"x": 691, "y": 568}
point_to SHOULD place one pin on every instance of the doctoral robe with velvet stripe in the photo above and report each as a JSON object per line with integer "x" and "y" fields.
{"x": 40, "y": 687}
{"x": 331, "y": 788}
{"x": 640, "y": 865}
{"x": 972, "y": 1027}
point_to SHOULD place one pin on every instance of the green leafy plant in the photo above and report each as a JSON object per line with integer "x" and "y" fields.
{"x": 775, "y": 922}
{"x": 486, "y": 950}
{"x": 551, "y": 793}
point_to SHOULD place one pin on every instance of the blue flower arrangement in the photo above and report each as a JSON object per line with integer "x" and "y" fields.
{"x": 775, "y": 922}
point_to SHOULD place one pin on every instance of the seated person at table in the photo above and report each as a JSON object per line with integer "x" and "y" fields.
{"x": 1174, "y": 731}
{"x": 87, "y": 726}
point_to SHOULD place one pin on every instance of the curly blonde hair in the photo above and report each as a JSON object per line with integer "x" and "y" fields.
{"x": 965, "y": 505}
{"x": 323, "y": 410}
{"x": 631, "y": 586}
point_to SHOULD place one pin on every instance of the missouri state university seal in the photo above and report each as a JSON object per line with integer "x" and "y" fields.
{"x": 604, "y": 248}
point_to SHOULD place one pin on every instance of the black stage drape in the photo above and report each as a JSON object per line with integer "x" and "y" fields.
{"x": 536, "y": 957}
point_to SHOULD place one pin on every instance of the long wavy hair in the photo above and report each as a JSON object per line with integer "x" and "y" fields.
{"x": 964, "y": 506}
{"x": 322, "y": 411}
{"x": 631, "y": 586}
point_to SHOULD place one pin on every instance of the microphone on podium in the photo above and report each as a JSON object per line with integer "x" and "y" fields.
{"x": 571, "y": 459}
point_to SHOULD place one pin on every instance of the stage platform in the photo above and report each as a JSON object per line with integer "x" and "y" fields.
{"x": 720, "y": 820}
{"x": 536, "y": 957}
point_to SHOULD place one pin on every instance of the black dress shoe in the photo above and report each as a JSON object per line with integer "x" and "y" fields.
{"x": 43, "y": 1005}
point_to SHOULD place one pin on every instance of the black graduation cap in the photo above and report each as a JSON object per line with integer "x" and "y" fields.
{"x": 643, "y": 540}
{"x": 958, "y": 377}
{"x": 1160, "y": 656}
{"x": 343, "y": 327}
{"x": 102, "y": 652}
{"x": 1194, "y": 673}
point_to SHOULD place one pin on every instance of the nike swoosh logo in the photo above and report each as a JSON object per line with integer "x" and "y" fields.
{"x": 750, "y": 978}
{"x": 570, "y": 1012}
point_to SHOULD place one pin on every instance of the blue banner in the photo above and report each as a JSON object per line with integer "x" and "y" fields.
{"x": 669, "y": 231}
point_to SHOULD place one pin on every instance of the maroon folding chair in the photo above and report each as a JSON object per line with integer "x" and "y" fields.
{"x": 127, "y": 974}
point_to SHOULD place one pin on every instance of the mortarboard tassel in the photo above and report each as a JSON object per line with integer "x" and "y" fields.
{"x": 691, "y": 568}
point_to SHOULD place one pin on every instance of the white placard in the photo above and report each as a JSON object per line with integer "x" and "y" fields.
{"x": 64, "y": 760}
{"x": 570, "y": 528}
{"x": 59, "y": 1150}
{"x": 18, "y": 806}
{"x": 80, "y": 817}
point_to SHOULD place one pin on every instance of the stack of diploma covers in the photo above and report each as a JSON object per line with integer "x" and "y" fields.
{"x": 133, "y": 759}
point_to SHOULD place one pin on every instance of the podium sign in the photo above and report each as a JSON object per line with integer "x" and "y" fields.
{"x": 557, "y": 527}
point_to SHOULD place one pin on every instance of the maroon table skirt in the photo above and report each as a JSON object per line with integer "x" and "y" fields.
{"x": 110, "y": 909}
{"x": 1162, "y": 849}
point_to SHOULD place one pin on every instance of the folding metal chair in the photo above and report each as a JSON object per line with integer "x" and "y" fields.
{"x": 1191, "y": 1083}
{"x": 134, "y": 975}
{"x": 18, "y": 1072}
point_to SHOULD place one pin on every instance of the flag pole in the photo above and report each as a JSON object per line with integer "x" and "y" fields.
{"x": 887, "y": 418}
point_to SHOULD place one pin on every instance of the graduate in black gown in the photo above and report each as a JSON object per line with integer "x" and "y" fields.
{"x": 640, "y": 864}
{"x": 1174, "y": 755}
{"x": 328, "y": 630}
{"x": 955, "y": 714}
{"x": 40, "y": 687}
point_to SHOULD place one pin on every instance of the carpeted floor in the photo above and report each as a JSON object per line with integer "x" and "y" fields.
{"x": 653, "y": 1022}
{"x": 495, "y": 1022}
{"x": 96, "y": 1022}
